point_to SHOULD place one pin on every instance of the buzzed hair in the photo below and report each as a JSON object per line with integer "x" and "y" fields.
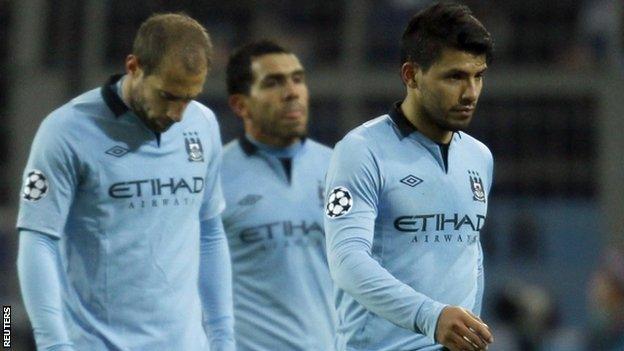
{"x": 174, "y": 36}
{"x": 440, "y": 26}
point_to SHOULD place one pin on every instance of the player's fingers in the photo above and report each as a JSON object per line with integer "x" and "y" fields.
{"x": 481, "y": 329}
{"x": 460, "y": 343}
{"x": 474, "y": 315}
{"x": 472, "y": 337}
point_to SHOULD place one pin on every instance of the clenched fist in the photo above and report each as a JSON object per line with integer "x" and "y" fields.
{"x": 459, "y": 329}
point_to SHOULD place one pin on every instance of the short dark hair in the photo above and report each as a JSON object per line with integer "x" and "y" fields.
{"x": 440, "y": 26}
{"x": 238, "y": 74}
{"x": 172, "y": 34}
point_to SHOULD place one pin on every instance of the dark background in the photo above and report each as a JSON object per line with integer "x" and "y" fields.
{"x": 551, "y": 112}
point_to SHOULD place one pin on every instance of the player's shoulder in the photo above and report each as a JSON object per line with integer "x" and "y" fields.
{"x": 200, "y": 113}
{"x": 232, "y": 149}
{"x": 235, "y": 162}
{"x": 368, "y": 135}
{"x": 200, "y": 118}
{"x": 78, "y": 109}
{"x": 318, "y": 148}
{"x": 474, "y": 144}
{"x": 76, "y": 116}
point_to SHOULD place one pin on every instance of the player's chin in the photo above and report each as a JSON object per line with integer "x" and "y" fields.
{"x": 294, "y": 125}
{"x": 162, "y": 126}
{"x": 455, "y": 125}
{"x": 299, "y": 132}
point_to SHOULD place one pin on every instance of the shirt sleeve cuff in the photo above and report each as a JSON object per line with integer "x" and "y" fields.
{"x": 426, "y": 320}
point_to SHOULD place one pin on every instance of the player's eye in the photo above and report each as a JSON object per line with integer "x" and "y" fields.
{"x": 270, "y": 83}
{"x": 299, "y": 78}
{"x": 173, "y": 98}
{"x": 456, "y": 76}
{"x": 167, "y": 96}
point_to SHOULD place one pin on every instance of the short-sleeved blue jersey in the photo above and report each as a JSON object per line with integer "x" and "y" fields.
{"x": 403, "y": 232}
{"x": 281, "y": 284}
{"x": 126, "y": 204}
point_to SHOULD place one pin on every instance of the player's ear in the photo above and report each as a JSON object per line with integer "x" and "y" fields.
{"x": 238, "y": 104}
{"x": 409, "y": 70}
{"x": 133, "y": 67}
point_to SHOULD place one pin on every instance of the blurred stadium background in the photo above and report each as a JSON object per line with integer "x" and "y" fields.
{"x": 552, "y": 112}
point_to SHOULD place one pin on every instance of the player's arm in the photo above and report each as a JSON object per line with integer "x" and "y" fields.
{"x": 50, "y": 179}
{"x": 350, "y": 237}
{"x": 215, "y": 268}
{"x": 215, "y": 284}
{"x": 480, "y": 283}
{"x": 38, "y": 267}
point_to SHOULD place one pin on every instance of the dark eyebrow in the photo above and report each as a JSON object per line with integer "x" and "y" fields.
{"x": 282, "y": 75}
{"x": 460, "y": 71}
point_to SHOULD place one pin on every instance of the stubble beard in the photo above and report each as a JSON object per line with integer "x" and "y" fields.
{"x": 441, "y": 120}
{"x": 283, "y": 133}
{"x": 137, "y": 104}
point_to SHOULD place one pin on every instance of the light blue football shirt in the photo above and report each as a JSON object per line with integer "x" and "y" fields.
{"x": 403, "y": 232}
{"x": 281, "y": 284}
{"x": 126, "y": 204}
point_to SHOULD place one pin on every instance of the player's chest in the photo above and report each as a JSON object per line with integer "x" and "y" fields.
{"x": 420, "y": 185}
{"x": 255, "y": 197}
{"x": 265, "y": 213}
{"x": 148, "y": 174}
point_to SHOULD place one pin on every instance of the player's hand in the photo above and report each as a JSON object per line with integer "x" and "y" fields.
{"x": 458, "y": 329}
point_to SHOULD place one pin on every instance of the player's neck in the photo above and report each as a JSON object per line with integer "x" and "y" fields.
{"x": 278, "y": 151}
{"x": 422, "y": 124}
{"x": 125, "y": 90}
{"x": 271, "y": 141}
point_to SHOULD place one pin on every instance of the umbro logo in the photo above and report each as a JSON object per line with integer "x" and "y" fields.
{"x": 117, "y": 151}
{"x": 249, "y": 200}
{"x": 411, "y": 180}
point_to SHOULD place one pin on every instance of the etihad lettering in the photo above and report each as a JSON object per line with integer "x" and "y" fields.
{"x": 439, "y": 222}
{"x": 270, "y": 231}
{"x": 156, "y": 187}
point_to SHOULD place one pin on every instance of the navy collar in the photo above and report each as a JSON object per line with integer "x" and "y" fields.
{"x": 403, "y": 124}
{"x": 111, "y": 98}
{"x": 249, "y": 148}
{"x": 114, "y": 102}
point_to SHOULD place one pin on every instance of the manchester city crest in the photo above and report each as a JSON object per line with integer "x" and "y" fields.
{"x": 476, "y": 184}
{"x": 193, "y": 147}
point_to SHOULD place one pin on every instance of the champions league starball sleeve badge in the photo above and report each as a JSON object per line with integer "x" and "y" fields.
{"x": 339, "y": 202}
{"x": 35, "y": 186}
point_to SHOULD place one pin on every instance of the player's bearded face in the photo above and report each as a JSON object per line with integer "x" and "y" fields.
{"x": 160, "y": 98}
{"x": 278, "y": 100}
{"x": 450, "y": 89}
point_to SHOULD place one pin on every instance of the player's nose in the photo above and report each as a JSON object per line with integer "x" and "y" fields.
{"x": 471, "y": 92}
{"x": 291, "y": 90}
